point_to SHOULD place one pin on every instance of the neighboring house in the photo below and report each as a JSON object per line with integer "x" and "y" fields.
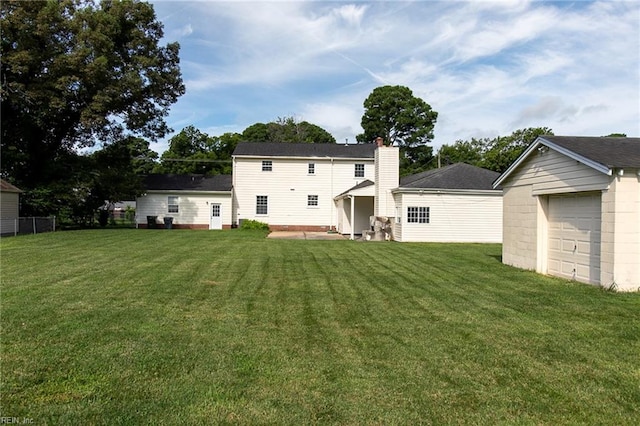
{"x": 456, "y": 203}
{"x": 191, "y": 201}
{"x": 9, "y": 208}
{"x": 572, "y": 209}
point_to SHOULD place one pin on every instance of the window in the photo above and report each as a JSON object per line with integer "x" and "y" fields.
{"x": 312, "y": 168}
{"x": 418, "y": 214}
{"x": 262, "y": 204}
{"x": 398, "y": 214}
{"x": 312, "y": 201}
{"x": 267, "y": 165}
{"x": 359, "y": 170}
{"x": 172, "y": 203}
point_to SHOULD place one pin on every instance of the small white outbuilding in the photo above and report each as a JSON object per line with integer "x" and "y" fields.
{"x": 9, "y": 208}
{"x": 572, "y": 209}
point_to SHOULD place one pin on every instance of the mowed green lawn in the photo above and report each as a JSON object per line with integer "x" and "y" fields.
{"x": 228, "y": 327}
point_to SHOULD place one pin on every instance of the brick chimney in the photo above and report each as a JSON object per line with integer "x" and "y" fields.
{"x": 379, "y": 141}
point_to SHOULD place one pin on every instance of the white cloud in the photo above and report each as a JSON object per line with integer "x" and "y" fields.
{"x": 484, "y": 66}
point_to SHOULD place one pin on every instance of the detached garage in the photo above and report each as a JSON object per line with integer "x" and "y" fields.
{"x": 571, "y": 208}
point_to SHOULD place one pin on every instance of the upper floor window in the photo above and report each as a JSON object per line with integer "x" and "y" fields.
{"x": 262, "y": 204}
{"x": 172, "y": 203}
{"x": 312, "y": 200}
{"x": 359, "y": 170}
{"x": 267, "y": 165}
{"x": 312, "y": 168}
{"x": 417, "y": 214}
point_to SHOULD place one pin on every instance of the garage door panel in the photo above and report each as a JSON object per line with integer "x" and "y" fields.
{"x": 574, "y": 236}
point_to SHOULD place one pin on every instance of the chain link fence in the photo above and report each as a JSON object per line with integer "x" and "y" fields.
{"x": 27, "y": 225}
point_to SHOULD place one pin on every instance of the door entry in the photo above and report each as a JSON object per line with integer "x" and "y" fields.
{"x": 215, "y": 221}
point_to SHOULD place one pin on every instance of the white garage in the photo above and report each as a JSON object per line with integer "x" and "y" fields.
{"x": 571, "y": 208}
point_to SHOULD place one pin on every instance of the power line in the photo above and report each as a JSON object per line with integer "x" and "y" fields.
{"x": 195, "y": 160}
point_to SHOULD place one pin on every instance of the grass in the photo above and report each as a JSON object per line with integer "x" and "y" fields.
{"x": 227, "y": 327}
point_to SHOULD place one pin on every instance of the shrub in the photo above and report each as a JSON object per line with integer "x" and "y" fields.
{"x": 254, "y": 224}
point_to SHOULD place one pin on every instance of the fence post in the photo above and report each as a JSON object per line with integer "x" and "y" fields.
{"x": 34, "y": 225}
{"x": 54, "y": 223}
{"x": 15, "y": 227}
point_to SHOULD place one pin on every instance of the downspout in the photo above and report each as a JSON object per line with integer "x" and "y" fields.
{"x": 352, "y": 200}
{"x": 331, "y": 212}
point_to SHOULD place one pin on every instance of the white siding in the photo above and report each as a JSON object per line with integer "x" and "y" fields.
{"x": 387, "y": 177}
{"x": 289, "y": 184}
{"x": 453, "y": 218}
{"x": 193, "y": 209}
{"x": 553, "y": 173}
{"x": 8, "y": 212}
{"x": 620, "y": 247}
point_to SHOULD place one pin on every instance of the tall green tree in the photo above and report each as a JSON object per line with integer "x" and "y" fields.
{"x": 401, "y": 119}
{"x": 75, "y": 72}
{"x": 393, "y": 113}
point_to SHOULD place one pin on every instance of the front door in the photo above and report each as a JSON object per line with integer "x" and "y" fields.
{"x": 216, "y": 216}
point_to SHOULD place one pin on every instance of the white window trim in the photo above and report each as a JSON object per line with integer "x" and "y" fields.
{"x": 313, "y": 206}
{"x": 415, "y": 218}
{"x": 266, "y": 205}
{"x": 175, "y": 204}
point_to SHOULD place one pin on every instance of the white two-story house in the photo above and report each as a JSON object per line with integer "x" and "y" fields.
{"x": 293, "y": 186}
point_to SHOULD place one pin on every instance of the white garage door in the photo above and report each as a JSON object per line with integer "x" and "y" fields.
{"x": 574, "y": 237}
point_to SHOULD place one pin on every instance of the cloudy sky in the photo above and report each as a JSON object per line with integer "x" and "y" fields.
{"x": 487, "y": 67}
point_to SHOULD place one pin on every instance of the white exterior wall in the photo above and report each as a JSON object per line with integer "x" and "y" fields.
{"x": 193, "y": 208}
{"x": 620, "y": 246}
{"x": 9, "y": 206}
{"x": 288, "y": 185}
{"x": 387, "y": 177}
{"x": 453, "y": 218}
{"x": 520, "y": 222}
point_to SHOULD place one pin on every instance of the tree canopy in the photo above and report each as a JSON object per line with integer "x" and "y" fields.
{"x": 75, "y": 72}
{"x": 393, "y": 113}
{"x": 193, "y": 151}
{"x": 287, "y": 129}
{"x": 495, "y": 154}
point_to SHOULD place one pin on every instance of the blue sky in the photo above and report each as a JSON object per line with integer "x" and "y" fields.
{"x": 487, "y": 68}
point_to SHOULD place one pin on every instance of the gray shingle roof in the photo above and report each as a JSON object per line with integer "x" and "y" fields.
{"x": 610, "y": 152}
{"x": 455, "y": 176}
{"x": 168, "y": 182}
{"x": 306, "y": 150}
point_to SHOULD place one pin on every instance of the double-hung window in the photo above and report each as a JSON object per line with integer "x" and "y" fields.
{"x": 417, "y": 214}
{"x": 312, "y": 201}
{"x": 172, "y": 204}
{"x": 267, "y": 165}
{"x": 312, "y": 168}
{"x": 359, "y": 170}
{"x": 262, "y": 204}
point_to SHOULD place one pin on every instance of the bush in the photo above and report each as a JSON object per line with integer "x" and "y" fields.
{"x": 254, "y": 224}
